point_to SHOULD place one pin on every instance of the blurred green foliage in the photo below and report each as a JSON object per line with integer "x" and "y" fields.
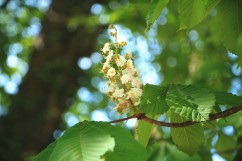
{"x": 206, "y": 53}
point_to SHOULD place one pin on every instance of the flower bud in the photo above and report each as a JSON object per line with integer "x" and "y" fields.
{"x": 122, "y": 44}
{"x": 128, "y": 55}
{"x": 111, "y": 72}
{"x": 111, "y": 26}
{"x": 113, "y": 33}
{"x": 106, "y": 48}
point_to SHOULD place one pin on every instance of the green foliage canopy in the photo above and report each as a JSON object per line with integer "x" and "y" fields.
{"x": 192, "y": 53}
{"x": 179, "y": 103}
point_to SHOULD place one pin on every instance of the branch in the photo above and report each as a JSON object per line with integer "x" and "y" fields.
{"x": 138, "y": 116}
{"x": 141, "y": 116}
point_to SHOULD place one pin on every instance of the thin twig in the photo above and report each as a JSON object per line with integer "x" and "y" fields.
{"x": 127, "y": 118}
{"x": 141, "y": 116}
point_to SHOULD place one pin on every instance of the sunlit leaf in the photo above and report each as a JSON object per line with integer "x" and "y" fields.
{"x": 155, "y": 11}
{"x": 188, "y": 139}
{"x": 230, "y": 23}
{"x": 193, "y": 12}
{"x": 228, "y": 99}
{"x": 144, "y": 130}
{"x": 210, "y": 4}
{"x": 153, "y": 100}
{"x": 126, "y": 147}
{"x": 191, "y": 102}
{"x": 92, "y": 141}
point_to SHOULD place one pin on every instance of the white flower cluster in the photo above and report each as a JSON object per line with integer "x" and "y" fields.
{"x": 124, "y": 85}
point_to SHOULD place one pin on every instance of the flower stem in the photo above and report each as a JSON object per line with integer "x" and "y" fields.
{"x": 116, "y": 40}
{"x": 132, "y": 108}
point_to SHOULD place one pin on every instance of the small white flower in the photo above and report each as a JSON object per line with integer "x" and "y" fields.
{"x": 120, "y": 62}
{"x": 130, "y": 64}
{"x": 123, "y": 101}
{"x": 125, "y": 78}
{"x": 128, "y": 55}
{"x": 128, "y": 71}
{"x": 136, "y": 82}
{"x": 134, "y": 93}
{"x": 111, "y": 72}
{"x": 120, "y": 109}
{"x": 137, "y": 102}
{"x": 106, "y": 48}
{"x": 110, "y": 55}
{"x": 138, "y": 92}
{"x": 122, "y": 106}
{"x": 118, "y": 93}
{"x": 124, "y": 72}
{"x": 112, "y": 87}
{"x": 105, "y": 67}
{"x": 135, "y": 71}
{"x": 130, "y": 94}
{"x": 122, "y": 44}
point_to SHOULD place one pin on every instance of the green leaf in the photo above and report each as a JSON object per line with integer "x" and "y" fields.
{"x": 212, "y": 125}
{"x": 153, "y": 100}
{"x": 224, "y": 145}
{"x": 230, "y": 23}
{"x": 165, "y": 151}
{"x": 77, "y": 142}
{"x": 175, "y": 155}
{"x": 239, "y": 49}
{"x": 126, "y": 147}
{"x": 154, "y": 12}
{"x": 188, "y": 139}
{"x": 205, "y": 153}
{"x": 193, "y": 12}
{"x": 191, "y": 102}
{"x": 235, "y": 121}
{"x": 228, "y": 99}
{"x": 89, "y": 141}
{"x": 210, "y": 4}
{"x": 158, "y": 151}
{"x": 144, "y": 130}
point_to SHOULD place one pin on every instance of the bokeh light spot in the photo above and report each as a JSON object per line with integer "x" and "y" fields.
{"x": 11, "y": 87}
{"x": 99, "y": 115}
{"x": 85, "y": 63}
{"x": 96, "y": 9}
{"x": 96, "y": 57}
{"x": 193, "y": 35}
{"x": 84, "y": 94}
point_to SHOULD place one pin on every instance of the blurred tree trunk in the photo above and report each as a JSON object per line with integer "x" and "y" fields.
{"x": 238, "y": 151}
{"x": 36, "y": 111}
